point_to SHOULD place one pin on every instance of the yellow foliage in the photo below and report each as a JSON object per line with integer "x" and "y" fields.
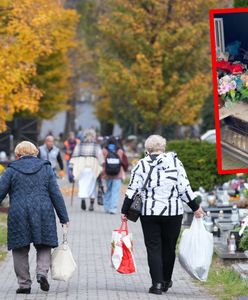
{"x": 154, "y": 55}
{"x": 30, "y": 31}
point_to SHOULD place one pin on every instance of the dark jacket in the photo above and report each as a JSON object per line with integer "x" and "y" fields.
{"x": 34, "y": 194}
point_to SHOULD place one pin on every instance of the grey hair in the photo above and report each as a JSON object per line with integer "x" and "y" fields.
{"x": 89, "y": 135}
{"x": 155, "y": 143}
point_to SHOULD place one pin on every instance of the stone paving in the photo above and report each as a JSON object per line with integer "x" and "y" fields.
{"x": 89, "y": 238}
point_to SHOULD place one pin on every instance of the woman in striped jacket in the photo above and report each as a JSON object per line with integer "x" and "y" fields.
{"x": 162, "y": 211}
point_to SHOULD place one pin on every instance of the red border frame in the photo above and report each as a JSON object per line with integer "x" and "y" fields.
{"x": 212, "y": 12}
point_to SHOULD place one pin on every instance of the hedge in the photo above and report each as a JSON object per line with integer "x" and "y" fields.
{"x": 199, "y": 160}
{"x": 240, "y": 3}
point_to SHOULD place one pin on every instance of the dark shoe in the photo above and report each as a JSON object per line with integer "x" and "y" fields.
{"x": 166, "y": 285}
{"x": 156, "y": 289}
{"x": 83, "y": 204}
{"x": 91, "y": 208}
{"x": 23, "y": 291}
{"x": 42, "y": 280}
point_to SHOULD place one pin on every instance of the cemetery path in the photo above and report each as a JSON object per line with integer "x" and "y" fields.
{"x": 89, "y": 238}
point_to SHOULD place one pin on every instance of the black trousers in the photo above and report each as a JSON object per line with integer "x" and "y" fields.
{"x": 161, "y": 234}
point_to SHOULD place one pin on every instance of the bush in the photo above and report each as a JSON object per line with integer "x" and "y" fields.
{"x": 244, "y": 242}
{"x": 199, "y": 160}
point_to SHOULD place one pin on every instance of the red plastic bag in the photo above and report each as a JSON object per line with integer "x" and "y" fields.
{"x": 122, "y": 250}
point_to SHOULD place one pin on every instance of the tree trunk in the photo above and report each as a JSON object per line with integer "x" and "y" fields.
{"x": 107, "y": 129}
{"x": 71, "y": 116}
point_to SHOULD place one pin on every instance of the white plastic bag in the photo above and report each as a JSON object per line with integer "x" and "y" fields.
{"x": 63, "y": 264}
{"x": 196, "y": 250}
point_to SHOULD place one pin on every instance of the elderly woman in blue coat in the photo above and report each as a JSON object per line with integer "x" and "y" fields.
{"x": 34, "y": 194}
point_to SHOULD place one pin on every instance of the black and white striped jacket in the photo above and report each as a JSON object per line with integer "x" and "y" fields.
{"x": 167, "y": 188}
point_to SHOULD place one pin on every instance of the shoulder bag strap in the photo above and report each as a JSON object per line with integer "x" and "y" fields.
{"x": 147, "y": 178}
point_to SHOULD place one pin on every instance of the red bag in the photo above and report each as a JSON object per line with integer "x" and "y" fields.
{"x": 122, "y": 250}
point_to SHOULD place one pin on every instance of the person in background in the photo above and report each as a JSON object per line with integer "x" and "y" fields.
{"x": 86, "y": 166}
{"x": 80, "y": 134}
{"x": 113, "y": 174}
{"x": 34, "y": 194}
{"x": 50, "y": 152}
{"x": 125, "y": 162}
{"x": 69, "y": 146}
{"x": 162, "y": 211}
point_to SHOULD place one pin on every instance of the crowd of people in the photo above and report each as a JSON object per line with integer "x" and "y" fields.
{"x": 89, "y": 161}
{"x": 34, "y": 193}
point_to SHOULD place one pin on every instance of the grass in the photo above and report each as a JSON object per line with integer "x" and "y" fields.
{"x": 3, "y": 235}
{"x": 224, "y": 282}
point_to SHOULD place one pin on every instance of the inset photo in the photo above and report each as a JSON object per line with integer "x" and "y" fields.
{"x": 229, "y": 44}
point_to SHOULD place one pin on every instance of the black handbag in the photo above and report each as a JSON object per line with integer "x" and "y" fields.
{"x": 135, "y": 209}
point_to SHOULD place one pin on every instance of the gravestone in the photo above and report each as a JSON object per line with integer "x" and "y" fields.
{"x": 241, "y": 269}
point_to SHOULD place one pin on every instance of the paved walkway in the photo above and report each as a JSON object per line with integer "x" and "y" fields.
{"x": 89, "y": 238}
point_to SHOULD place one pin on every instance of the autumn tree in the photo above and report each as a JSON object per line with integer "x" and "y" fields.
{"x": 154, "y": 60}
{"x": 34, "y": 64}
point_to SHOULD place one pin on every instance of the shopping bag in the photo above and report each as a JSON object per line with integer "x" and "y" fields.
{"x": 196, "y": 250}
{"x": 122, "y": 257}
{"x": 63, "y": 264}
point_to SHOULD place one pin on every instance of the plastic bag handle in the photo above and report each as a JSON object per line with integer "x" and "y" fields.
{"x": 198, "y": 223}
{"x": 123, "y": 227}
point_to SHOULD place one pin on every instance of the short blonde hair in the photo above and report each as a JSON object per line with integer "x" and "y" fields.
{"x": 26, "y": 148}
{"x": 155, "y": 143}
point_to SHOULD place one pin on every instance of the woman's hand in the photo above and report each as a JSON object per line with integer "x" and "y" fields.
{"x": 123, "y": 217}
{"x": 66, "y": 225}
{"x": 62, "y": 173}
{"x": 199, "y": 213}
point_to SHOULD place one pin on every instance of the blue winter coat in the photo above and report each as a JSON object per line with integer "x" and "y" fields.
{"x": 34, "y": 194}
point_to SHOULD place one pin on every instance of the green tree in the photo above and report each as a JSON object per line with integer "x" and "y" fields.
{"x": 207, "y": 115}
{"x": 53, "y": 77}
{"x": 240, "y": 3}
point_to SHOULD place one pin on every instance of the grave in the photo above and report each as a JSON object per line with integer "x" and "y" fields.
{"x": 222, "y": 251}
{"x": 241, "y": 269}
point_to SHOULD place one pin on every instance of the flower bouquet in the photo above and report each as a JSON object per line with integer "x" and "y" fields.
{"x": 233, "y": 88}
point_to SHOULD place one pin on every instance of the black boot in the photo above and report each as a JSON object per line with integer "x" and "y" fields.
{"x": 42, "y": 280}
{"x": 156, "y": 289}
{"x": 166, "y": 285}
{"x": 83, "y": 204}
{"x": 91, "y": 208}
{"x": 23, "y": 291}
